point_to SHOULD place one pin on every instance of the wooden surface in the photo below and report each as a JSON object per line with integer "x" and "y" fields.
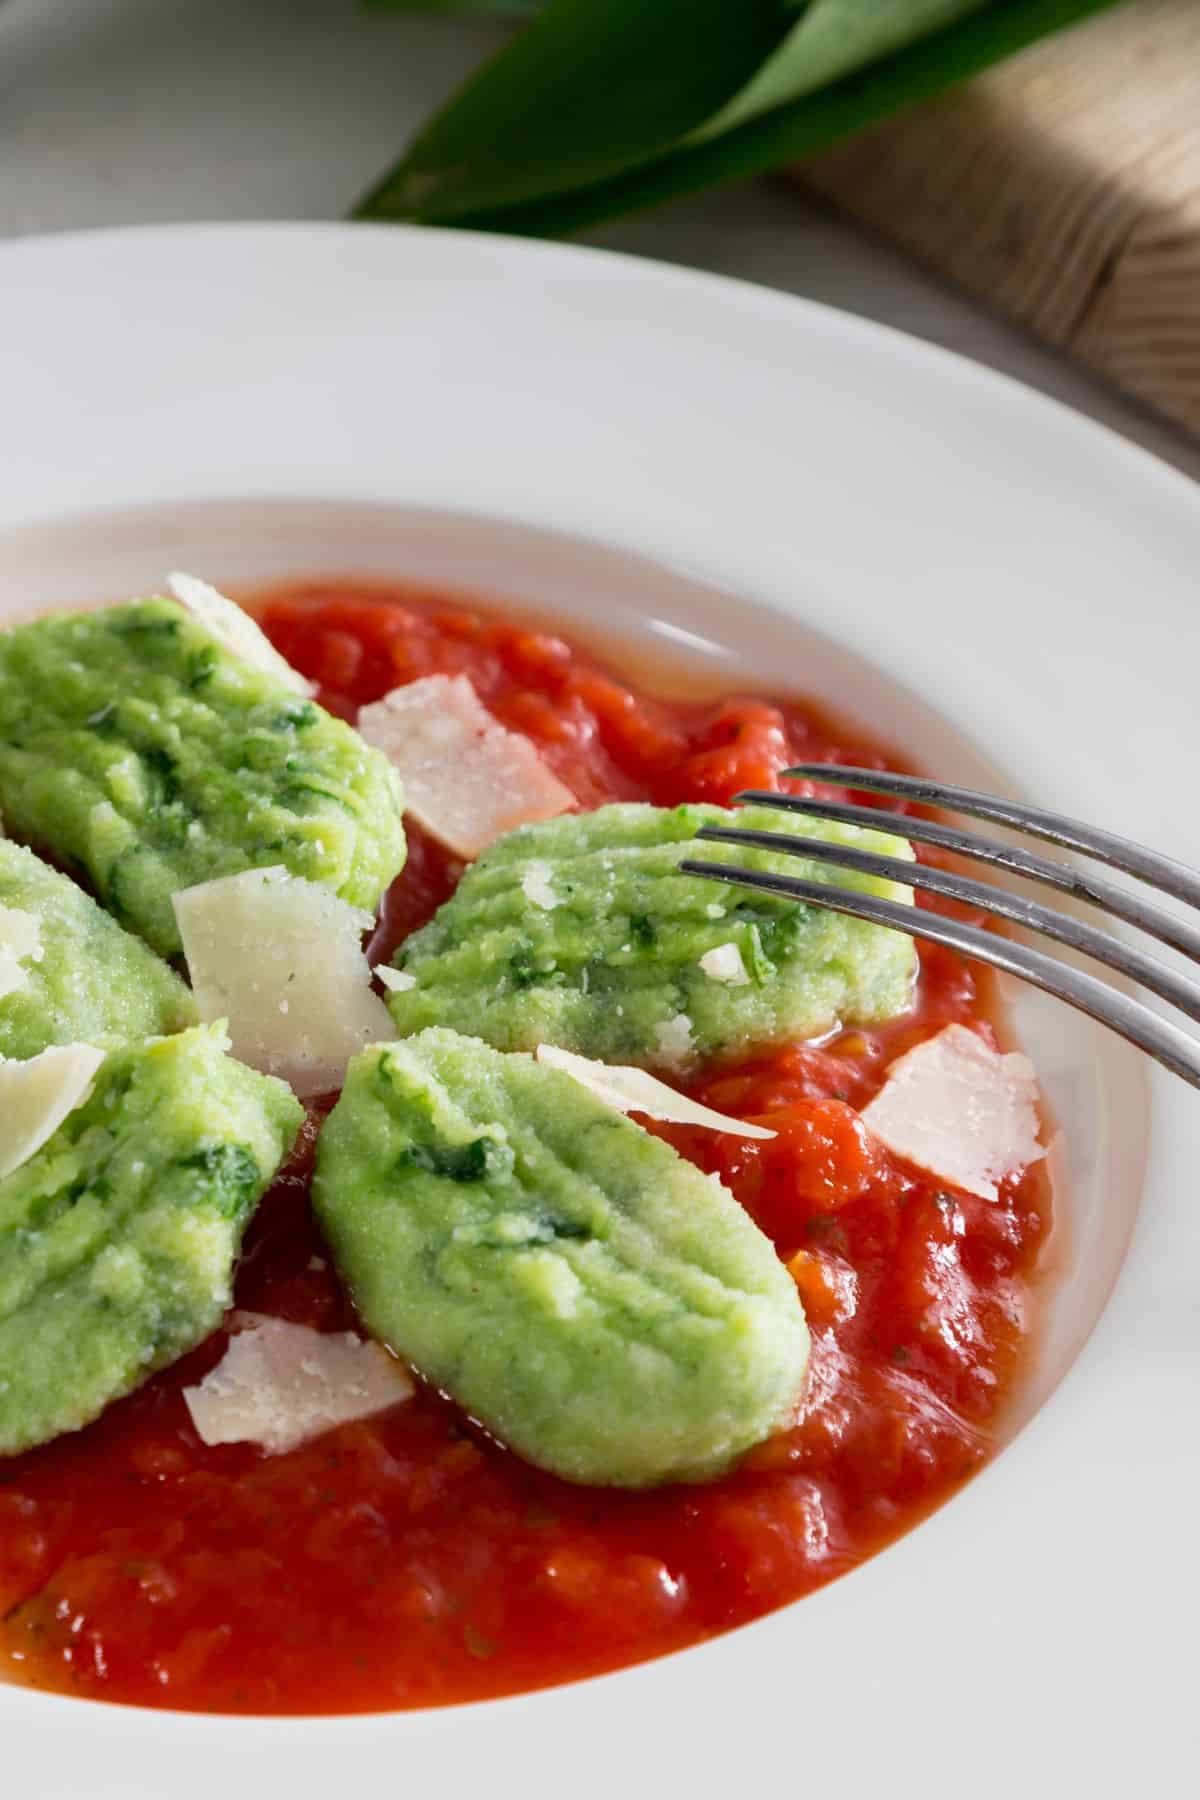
{"x": 1063, "y": 187}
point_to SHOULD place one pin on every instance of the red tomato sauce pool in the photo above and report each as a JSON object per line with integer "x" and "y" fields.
{"x": 409, "y": 1560}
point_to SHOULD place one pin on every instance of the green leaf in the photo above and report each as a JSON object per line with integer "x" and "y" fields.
{"x": 770, "y": 137}
{"x": 833, "y": 39}
{"x": 590, "y": 89}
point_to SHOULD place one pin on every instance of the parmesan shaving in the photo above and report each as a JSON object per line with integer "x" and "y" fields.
{"x": 37, "y": 1095}
{"x": 236, "y": 631}
{"x": 961, "y": 1111}
{"x": 467, "y": 779}
{"x": 633, "y": 1090}
{"x": 279, "y": 1385}
{"x": 281, "y": 959}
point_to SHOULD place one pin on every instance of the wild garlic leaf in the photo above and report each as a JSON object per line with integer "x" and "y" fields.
{"x": 783, "y": 134}
{"x": 833, "y": 39}
{"x": 588, "y": 90}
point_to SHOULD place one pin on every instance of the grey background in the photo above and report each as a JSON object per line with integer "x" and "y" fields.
{"x": 117, "y": 112}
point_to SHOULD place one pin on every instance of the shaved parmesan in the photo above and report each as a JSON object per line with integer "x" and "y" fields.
{"x": 467, "y": 779}
{"x": 279, "y": 1385}
{"x": 724, "y": 963}
{"x": 20, "y": 941}
{"x": 36, "y": 1096}
{"x": 236, "y": 631}
{"x": 281, "y": 959}
{"x": 397, "y": 981}
{"x": 960, "y": 1110}
{"x": 632, "y": 1090}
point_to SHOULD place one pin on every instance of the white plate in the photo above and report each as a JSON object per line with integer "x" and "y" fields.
{"x": 1022, "y": 587}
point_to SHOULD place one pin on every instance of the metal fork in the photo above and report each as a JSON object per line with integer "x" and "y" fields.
{"x": 1176, "y": 1049}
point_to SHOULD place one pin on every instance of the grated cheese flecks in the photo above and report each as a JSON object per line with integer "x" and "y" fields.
{"x": 278, "y": 1385}
{"x": 537, "y": 888}
{"x": 467, "y": 778}
{"x": 397, "y": 981}
{"x": 37, "y": 1095}
{"x": 20, "y": 942}
{"x": 235, "y": 630}
{"x": 281, "y": 959}
{"x": 675, "y": 1040}
{"x": 960, "y": 1110}
{"x": 633, "y": 1090}
{"x": 724, "y": 963}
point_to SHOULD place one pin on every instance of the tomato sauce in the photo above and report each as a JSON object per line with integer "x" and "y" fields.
{"x": 409, "y": 1560}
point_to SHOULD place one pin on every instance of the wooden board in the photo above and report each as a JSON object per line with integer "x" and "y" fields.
{"x": 1063, "y": 187}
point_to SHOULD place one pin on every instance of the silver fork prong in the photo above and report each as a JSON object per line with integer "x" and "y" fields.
{"x": 1076, "y": 933}
{"x": 1164, "y": 872}
{"x": 1158, "y": 1037}
{"x": 1081, "y": 884}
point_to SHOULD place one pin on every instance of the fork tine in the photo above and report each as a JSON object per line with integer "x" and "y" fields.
{"x": 1125, "y": 958}
{"x": 1081, "y": 884}
{"x": 1159, "y": 1038}
{"x": 1163, "y": 872}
